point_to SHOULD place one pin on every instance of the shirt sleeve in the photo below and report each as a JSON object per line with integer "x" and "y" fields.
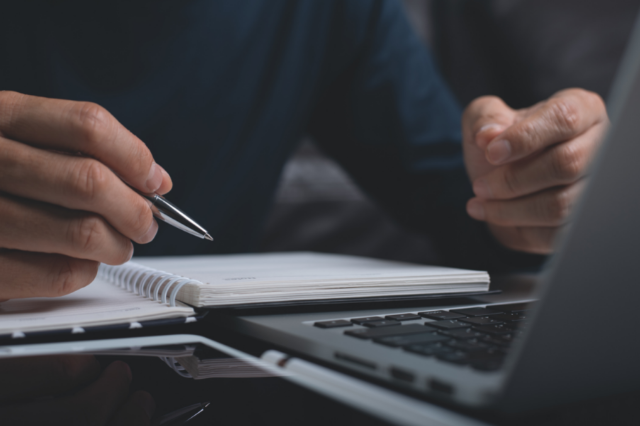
{"x": 390, "y": 121}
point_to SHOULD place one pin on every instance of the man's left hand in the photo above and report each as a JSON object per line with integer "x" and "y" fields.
{"x": 527, "y": 165}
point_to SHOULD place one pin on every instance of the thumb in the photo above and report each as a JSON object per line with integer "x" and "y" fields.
{"x": 485, "y": 119}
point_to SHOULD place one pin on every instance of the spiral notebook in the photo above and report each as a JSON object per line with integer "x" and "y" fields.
{"x": 170, "y": 287}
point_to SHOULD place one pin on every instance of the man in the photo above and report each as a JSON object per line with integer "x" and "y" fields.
{"x": 221, "y": 92}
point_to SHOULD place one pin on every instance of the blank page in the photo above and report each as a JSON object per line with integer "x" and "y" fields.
{"x": 100, "y": 303}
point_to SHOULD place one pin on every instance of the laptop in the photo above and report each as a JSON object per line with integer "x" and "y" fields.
{"x": 577, "y": 341}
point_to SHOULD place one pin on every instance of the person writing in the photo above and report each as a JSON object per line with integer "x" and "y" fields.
{"x": 220, "y": 93}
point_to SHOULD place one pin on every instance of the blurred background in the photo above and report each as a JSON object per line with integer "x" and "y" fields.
{"x": 520, "y": 50}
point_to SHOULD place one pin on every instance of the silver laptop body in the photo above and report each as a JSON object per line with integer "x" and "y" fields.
{"x": 580, "y": 341}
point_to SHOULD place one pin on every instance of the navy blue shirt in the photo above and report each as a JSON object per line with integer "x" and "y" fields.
{"x": 222, "y": 91}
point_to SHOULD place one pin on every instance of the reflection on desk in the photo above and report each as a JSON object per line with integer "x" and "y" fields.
{"x": 134, "y": 386}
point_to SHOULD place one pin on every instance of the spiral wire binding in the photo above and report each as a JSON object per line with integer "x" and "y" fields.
{"x": 160, "y": 286}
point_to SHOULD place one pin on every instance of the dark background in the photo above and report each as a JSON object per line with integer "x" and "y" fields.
{"x": 520, "y": 50}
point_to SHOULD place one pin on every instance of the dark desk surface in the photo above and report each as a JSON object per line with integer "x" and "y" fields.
{"x": 87, "y": 389}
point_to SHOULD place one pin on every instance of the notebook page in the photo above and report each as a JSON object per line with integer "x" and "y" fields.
{"x": 100, "y": 303}
{"x": 300, "y": 268}
{"x": 273, "y": 277}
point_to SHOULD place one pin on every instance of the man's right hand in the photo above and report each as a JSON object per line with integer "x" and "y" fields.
{"x": 64, "y": 207}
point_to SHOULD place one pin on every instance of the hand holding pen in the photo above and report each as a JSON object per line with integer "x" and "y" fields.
{"x": 61, "y": 215}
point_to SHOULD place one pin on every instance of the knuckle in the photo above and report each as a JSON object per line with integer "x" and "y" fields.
{"x": 9, "y": 103}
{"x": 87, "y": 233}
{"x": 566, "y": 163}
{"x": 510, "y": 180}
{"x": 93, "y": 121}
{"x": 565, "y": 114}
{"x": 9, "y": 98}
{"x": 90, "y": 180}
{"x": 533, "y": 240}
{"x": 70, "y": 275}
{"x": 557, "y": 207}
{"x": 511, "y": 238}
{"x": 527, "y": 239}
{"x": 140, "y": 223}
{"x": 528, "y": 137}
{"x": 540, "y": 240}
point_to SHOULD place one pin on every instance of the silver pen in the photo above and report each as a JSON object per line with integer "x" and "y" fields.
{"x": 167, "y": 212}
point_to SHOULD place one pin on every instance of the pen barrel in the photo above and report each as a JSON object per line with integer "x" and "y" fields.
{"x": 167, "y": 212}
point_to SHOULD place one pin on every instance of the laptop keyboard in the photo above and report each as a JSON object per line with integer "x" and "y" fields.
{"x": 478, "y": 337}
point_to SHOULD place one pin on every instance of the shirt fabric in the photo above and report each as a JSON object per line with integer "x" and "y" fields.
{"x": 222, "y": 92}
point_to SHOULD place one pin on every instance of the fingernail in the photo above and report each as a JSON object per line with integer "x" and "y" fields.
{"x": 150, "y": 234}
{"x": 492, "y": 126}
{"x": 154, "y": 180}
{"x": 147, "y": 403}
{"x": 498, "y": 151}
{"x": 486, "y": 133}
{"x": 164, "y": 172}
{"x": 131, "y": 252}
{"x": 481, "y": 188}
{"x": 166, "y": 176}
{"x": 475, "y": 210}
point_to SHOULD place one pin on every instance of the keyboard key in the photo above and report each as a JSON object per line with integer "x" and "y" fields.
{"x": 467, "y": 345}
{"x": 494, "y": 329}
{"x": 480, "y": 358}
{"x": 412, "y": 339}
{"x": 475, "y": 312}
{"x": 486, "y": 364}
{"x": 403, "y": 317}
{"x": 481, "y": 320}
{"x": 332, "y": 324}
{"x": 456, "y": 357}
{"x": 381, "y": 323}
{"x": 401, "y": 330}
{"x": 461, "y": 334}
{"x": 489, "y": 353}
{"x": 512, "y": 307}
{"x": 431, "y": 349}
{"x": 509, "y": 317}
{"x": 440, "y": 315}
{"x": 359, "y": 321}
{"x": 447, "y": 324}
{"x": 502, "y": 341}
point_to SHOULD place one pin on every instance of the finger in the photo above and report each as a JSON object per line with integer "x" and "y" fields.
{"x": 27, "y": 274}
{"x": 562, "y": 164}
{"x": 38, "y": 227}
{"x": 536, "y": 240}
{"x": 81, "y": 127}
{"x": 34, "y": 377}
{"x": 545, "y": 208}
{"x": 76, "y": 183}
{"x": 137, "y": 411}
{"x": 564, "y": 116}
{"x": 485, "y": 118}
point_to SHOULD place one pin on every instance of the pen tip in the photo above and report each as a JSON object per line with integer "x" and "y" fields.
{"x": 208, "y": 237}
